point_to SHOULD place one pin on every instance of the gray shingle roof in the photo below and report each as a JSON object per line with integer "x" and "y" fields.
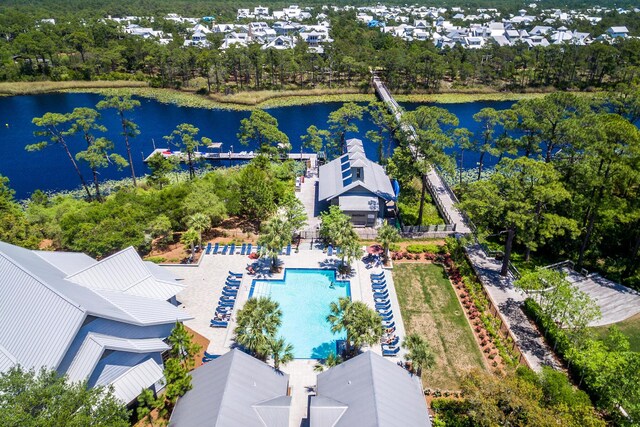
{"x": 376, "y": 392}
{"x": 234, "y": 390}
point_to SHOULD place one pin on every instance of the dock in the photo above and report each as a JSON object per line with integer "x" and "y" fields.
{"x": 230, "y": 155}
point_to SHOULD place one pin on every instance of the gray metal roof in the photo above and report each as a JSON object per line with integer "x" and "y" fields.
{"x": 41, "y": 311}
{"x": 125, "y": 272}
{"x": 67, "y": 262}
{"x": 354, "y": 202}
{"x": 336, "y": 179}
{"x": 94, "y": 346}
{"x": 376, "y": 391}
{"x": 234, "y": 390}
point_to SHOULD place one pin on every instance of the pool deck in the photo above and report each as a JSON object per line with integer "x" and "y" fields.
{"x": 204, "y": 286}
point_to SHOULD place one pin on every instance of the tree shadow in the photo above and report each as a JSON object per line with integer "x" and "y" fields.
{"x": 323, "y": 350}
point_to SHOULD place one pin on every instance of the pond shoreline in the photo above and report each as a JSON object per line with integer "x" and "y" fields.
{"x": 249, "y": 100}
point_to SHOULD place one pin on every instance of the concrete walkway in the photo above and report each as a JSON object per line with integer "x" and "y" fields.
{"x": 508, "y": 300}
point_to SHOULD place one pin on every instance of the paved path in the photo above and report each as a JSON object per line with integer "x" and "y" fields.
{"x": 508, "y": 299}
{"x": 616, "y": 302}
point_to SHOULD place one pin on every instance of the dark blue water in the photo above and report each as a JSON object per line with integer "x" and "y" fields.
{"x": 51, "y": 170}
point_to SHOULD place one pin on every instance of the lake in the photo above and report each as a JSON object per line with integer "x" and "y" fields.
{"x": 50, "y": 169}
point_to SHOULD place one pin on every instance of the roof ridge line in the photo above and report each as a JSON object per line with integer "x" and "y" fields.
{"x": 82, "y": 270}
{"x": 42, "y": 282}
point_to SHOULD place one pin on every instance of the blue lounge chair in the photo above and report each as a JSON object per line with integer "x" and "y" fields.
{"x": 379, "y": 283}
{"x": 211, "y": 356}
{"x": 232, "y": 282}
{"x": 249, "y": 247}
{"x": 330, "y": 250}
{"x": 226, "y": 303}
{"x": 219, "y": 324}
{"x": 230, "y": 288}
{"x": 288, "y": 249}
{"x": 377, "y": 275}
{"x": 389, "y": 325}
{"x": 392, "y": 343}
{"x": 232, "y": 249}
{"x": 215, "y": 248}
{"x": 388, "y": 316}
{"x": 379, "y": 287}
{"x": 227, "y": 299}
{"x": 233, "y": 279}
{"x": 208, "y": 250}
{"x": 225, "y": 249}
{"x": 231, "y": 273}
{"x": 390, "y": 352}
{"x": 381, "y": 280}
{"x": 383, "y": 305}
{"x": 229, "y": 293}
{"x": 243, "y": 249}
{"x": 381, "y": 295}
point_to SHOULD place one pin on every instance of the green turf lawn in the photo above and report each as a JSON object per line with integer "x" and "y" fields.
{"x": 430, "y": 307}
{"x": 630, "y": 328}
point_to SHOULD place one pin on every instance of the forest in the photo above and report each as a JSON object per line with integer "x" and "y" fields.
{"x": 91, "y": 48}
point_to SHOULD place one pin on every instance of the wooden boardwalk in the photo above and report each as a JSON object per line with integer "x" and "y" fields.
{"x": 230, "y": 155}
{"x": 443, "y": 196}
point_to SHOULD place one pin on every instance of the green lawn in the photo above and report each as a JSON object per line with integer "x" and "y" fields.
{"x": 430, "y": 307}
{"x": 630, "y": 328}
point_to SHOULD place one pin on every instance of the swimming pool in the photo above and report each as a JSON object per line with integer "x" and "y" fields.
{"x": 304, "y": 296}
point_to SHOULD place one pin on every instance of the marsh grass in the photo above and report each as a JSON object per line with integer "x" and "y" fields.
{"x": 33, "y": 88}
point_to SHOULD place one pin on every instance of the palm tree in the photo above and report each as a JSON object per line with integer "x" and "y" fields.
{"x": 199, "y": 222}
{"x": 351, "y": 250}
{"x": 330, "y": 361}
{"x": 419, "y": 352}
{"x": 276, "y": 235}
{"x": 189, "y": 238}
{"x": 280, "y": 351}
{"x": 387, "y": 234}
{"x": 182, "y": 346}
{"x": 257, "y": 324}
{"x": 362, "y": 324}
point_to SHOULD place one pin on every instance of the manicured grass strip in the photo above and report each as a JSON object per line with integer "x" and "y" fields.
{"x": 430, "y": 307}
{"x": 33, "y": 88}
{"x": 630, "y": 328}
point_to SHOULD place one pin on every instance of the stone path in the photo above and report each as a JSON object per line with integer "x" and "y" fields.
{"x": 508, "y": 300}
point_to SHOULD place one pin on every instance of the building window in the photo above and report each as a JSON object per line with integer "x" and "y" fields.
{"x": 358, "y": 173}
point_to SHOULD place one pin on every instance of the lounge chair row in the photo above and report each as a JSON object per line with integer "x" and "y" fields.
{"x": 232, "y": 249}
{"x": 383, "y": 307}
{"x": 227, "y": 301}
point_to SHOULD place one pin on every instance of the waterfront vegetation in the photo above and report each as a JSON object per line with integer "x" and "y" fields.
{"x": 430, "y": 308}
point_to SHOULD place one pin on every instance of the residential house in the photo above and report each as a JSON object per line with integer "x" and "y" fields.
{"x": 234, "y": 390}
{"x": 368, "y": 391}
{"x": 359, "y": 186}
{"x": 104, "y": 322}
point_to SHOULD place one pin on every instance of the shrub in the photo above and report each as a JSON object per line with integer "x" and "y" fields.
{"x": 418, "y": 248}
{"x": 156, "y": 259}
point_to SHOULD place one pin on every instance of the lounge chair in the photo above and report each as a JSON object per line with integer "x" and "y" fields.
{"x": 244, "y": 249}
{"x": 330, "y": 250}
{"x": 390, "y": 352}
{"x": 208, "y": 250}
{"x": 229, "y": 292}
{"x": 389, "y": 325}
{"x": 386, "y": 316}
{"x": 226, "y": 303}
{"x": 215, "y": 248}
{"x": 378, "y": 276}
{"x": 249, "y": 247}
{"x": 258, "y": 250}
{"x": 231, "y": 273}
{"x": 381, "y": 295}
{"x": 230, "y": 288}
{"x": 379, "y": 283}
{"x": 233, "y": 280}
{"x": 211, "y": 356}
{"x": 219, "y": 324}
{"x": 383, "y": 305}
{"x": 225, "y": 249}
{"x": 288, "y": 249}
{"x": 381, "y": 280}
{"x": 379, "y": 287}
{"x": 392, "y": 343}
{"x": 228, "y": 299}
{"x": 232, "y": 249}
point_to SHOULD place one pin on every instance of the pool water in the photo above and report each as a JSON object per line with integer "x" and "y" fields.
{"x": 304, "y": 297}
